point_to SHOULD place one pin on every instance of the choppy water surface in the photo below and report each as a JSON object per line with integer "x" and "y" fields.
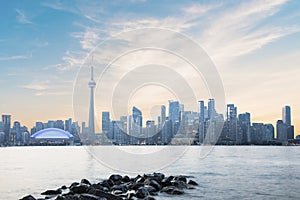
{"x": 236, "y": 172}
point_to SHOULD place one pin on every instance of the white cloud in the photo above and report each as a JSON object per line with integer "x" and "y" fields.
{"x": 22, "y": 18}
{"x": 37, "y": 86}
{"x": 235, "y": 32}
{"x": 200, "y": 9}
{"x": 15, "y": 57}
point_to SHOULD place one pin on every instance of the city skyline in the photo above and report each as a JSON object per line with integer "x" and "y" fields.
{"x": 179, "y": 127}
{"x": 203, "y": 113}
{"x": 253, "y": 44}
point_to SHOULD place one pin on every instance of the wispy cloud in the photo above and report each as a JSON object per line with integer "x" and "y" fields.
{"x": 22, "y": 18}
{"x": 238, "y": 31}
{"x": 226, "y": 31}
{"x": 37, "y": 86}
{"x": 15, "y": 57}
{"x": 47, "y": 93}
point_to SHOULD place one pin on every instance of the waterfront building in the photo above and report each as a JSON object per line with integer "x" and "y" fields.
{"x": 6, "y": 121}
{"x": 150, "y": 131}
{"x": 257, "y": 132}
{"x": 59, "y": 124}
{"x": 282, "y": 132}
{"x": 174, "y": 111}
{"x": 201, "y": 111}
{"x": 163, "y": 115}
{"x": 286, "y": 115}
{"x": 231, "y": 119}
{"x": 39, "y": 126}
{"x": 105, "y": 122}
{"x": 211, "y": 109}
{"x": 244, "y": 123}
{"x": 68, "y": 125}
{"x": 269, "y": 133}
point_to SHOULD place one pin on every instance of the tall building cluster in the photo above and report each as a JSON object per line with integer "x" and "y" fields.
{"x": 204, "y": 127}
{"x": 174, "y": 125}
{"x": 12, "y": 134}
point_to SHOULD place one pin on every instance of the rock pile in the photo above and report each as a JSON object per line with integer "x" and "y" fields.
{"x": 118, "y": 187}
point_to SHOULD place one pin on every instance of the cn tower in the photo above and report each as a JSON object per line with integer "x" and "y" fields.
{"x": 92, "y": 85}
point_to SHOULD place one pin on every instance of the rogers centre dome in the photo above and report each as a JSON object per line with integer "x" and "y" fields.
{"x": 51, "y": 135}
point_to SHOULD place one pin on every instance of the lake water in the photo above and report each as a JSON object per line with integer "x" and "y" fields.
{"x": 227, "y": 172}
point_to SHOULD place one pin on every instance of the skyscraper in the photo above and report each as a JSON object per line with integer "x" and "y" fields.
{"x": 286, "y": 115}
{"x": 245, "y": 127}
{"x": 286, "y": 118}
{"x": 231, "y": 119}
{"x": 211, "y": 108}
{"x": 281, "y": 130}
{"x": 105, "y": 122}
{"x": 68, "y": 125}
{"x": 6, "y": 120}
{"x": 201, "y": 111}
{"x": 135, "y": 122}
{"x": 174, "y": 111}
{"x": 231, "y": 112}
{"x": 92, "y": 85}
{"x": 163, "y": 115}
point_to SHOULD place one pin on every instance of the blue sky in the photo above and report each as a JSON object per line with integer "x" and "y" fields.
{"x": 254, "y": 45}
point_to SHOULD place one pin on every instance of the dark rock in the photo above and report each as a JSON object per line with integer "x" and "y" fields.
{"x": 136, "y": 186}
{"x": 150, "y": 189}
{"x": 170, "y": 178}
{"x": 85, "y": 181}
{"x": 74, "y": 184}
{"x": 166, "y": 182}
{"x": 115, "y": 177}
{"x": 136, "y": 178}
{"x": 123, "y": 188}
{"x": 172, "y": 190}
{"x": 97, "y": 186}
{"x": 125, "y": 179}
{"x": 105, "y": 184}
{"x": 179, "y": 184}
{"x": 51, "y": 192}
{"x": 140, "y": 180}
{"x": 101, "y": 193}
{"x": 90, "y": 197}
{"x": 130, "y": 195}
{"x": 155, "y": 184}
{"x": 28, "y": 197}
{"x": 160, "y": 176}
{"x": 63, "y": 187}
{"x": 80, "y": 189}
{"x": 117, "y": 192}
{"x": 141, "y": 193}
{"x": 181, "y": 178}
{"x": 191, "y": 182}
{"x": 149, "y": 198}
{"x": 67, "y": 197}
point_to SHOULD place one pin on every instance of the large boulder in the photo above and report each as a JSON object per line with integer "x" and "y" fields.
{"x": 90, "y": 197}
{"x": 79, "y": 189}
{"x": 141, "y": 193}
{"x": 194, "y": 183}
{"x": 115, "y": 177}
{"x": 28, "y": 197}
{"x": 106, "y": 195}
{"x": 51, "y": 192}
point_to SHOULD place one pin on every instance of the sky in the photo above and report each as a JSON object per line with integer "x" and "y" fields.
{"x": 254, "y": 46}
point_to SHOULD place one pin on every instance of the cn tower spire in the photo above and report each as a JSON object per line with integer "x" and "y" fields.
{"x": 92, "y": 85}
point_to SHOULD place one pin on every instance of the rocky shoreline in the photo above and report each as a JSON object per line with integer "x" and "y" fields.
{"x": 118, "y": 187}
